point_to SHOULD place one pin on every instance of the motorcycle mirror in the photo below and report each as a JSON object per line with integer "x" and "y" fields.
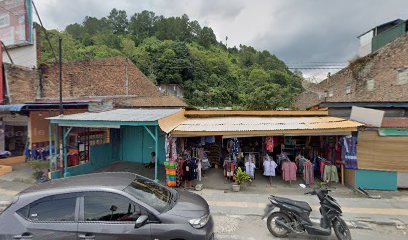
{"x": 302, "y": 185}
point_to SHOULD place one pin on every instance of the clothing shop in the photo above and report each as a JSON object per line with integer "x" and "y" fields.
{"x": 294, "y": 148}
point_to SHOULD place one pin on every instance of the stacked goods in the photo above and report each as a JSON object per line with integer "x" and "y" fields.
{"x": 171, "y": 174}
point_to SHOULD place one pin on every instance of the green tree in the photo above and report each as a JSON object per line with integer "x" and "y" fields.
{"x": 118, "y": 21}
{"x": 206, "y": 37}
{"x": 142, "y": 25}
{"x": 270, "y": 96}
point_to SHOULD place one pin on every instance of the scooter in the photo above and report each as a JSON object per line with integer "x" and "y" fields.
{"x": 289, "y": 216}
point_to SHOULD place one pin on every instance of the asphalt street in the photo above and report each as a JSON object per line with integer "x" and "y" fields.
{"x": 245, "y": 227}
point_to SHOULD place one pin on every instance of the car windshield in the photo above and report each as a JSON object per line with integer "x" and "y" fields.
{"x": 151, "y": 193}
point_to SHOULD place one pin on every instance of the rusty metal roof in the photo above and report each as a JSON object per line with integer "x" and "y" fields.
{"x": 243, "y": 124}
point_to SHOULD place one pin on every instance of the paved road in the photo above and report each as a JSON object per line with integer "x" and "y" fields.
{"x": 240, "y": 227}
{"x": 392, "y": 210}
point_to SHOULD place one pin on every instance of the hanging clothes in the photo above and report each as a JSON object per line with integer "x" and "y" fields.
{"x": 330, "y": 173}
{"x": 308, "y": 173}
{"x": 188, "y": 170}
{"x": 269, "y": 144}
{"x": 199, "y": 167}
{"x": 269, "y": 166}
{"x": 229, "y": 169}
{"x": 349, "y": 152}
{"x": 289, "y": 171}
{"x": 235, "y": 147}
{"x": 250, "y": 168}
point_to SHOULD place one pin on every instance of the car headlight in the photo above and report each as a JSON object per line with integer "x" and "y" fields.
{"x": 199, "y": 222}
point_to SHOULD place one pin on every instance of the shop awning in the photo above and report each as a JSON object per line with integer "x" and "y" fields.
{"x": 115, "y": 118}
{"x": 262, "y": 126}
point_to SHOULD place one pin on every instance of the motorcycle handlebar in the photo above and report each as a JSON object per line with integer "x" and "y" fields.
{"x": 311, "y": 193}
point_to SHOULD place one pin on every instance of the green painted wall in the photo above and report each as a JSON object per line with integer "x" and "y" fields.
{"x": 101, "y": 155}
{"x": 132, "y": 144}
{"x": 376, "y": 180}
{"x": 388, "y": 36}
{"x": 136, "y": 145}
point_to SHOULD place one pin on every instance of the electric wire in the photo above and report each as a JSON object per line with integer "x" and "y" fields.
{"x": 45, "y": 32}
{"x": 8, "y": 10}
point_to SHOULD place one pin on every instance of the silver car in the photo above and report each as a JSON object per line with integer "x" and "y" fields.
{"x": 106, "y": 206}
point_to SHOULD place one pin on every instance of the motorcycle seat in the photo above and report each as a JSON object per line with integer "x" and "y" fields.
{"x": 300, "y": 204}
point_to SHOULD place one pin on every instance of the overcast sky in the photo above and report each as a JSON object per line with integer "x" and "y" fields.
{"x": 300, "y": 32}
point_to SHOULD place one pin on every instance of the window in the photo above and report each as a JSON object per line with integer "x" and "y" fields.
{"x": 4, "y": 20}
{"x": 110, "y": 207}
{"x": 50, "y": 209}
{"x": 151, "y": 193}
{"x": 402, "y": 76}
{"x": 348, "y": 89}
{"x": 370, "y": 85}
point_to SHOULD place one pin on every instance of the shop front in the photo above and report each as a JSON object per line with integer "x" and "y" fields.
{"x": 85, "y": 142}
{"x": 285, "y": 145}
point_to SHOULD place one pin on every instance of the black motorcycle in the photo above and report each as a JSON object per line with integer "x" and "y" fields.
{"x": 288, "y": 216}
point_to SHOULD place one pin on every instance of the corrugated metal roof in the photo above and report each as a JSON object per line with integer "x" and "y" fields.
{"x": 120, "y": 115}
{"x": 242, "y": 124}
{"x": 11, "y": 107}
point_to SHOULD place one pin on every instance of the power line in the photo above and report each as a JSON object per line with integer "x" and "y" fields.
{"x": 8, "y": 54}
{"x": 8, "y": 10}
{"x": 45, "y": 32}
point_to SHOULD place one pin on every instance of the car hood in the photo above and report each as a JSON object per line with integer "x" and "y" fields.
{"x": 189, "y": 205}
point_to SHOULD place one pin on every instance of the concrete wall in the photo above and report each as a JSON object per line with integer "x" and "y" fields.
{"x": 23, "y": 55}
{"x": 365, "y": 44}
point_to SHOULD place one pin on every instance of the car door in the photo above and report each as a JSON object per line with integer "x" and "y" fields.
{"x": 52, "y": 217}
{"x": 110, "y": 216}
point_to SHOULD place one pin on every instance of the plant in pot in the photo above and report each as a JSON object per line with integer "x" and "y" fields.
{"x": 40, "y": 168}
{"x": 240, "y": 178}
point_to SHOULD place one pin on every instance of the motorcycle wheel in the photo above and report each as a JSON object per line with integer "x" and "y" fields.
{"x": 273, "y": 228}
{"x": 341, "y": 229}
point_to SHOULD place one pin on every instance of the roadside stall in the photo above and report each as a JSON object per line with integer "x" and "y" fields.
{"x": 296, "y": 146}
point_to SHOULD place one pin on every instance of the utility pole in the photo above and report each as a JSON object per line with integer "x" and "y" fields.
{"x": 61, "y": 108}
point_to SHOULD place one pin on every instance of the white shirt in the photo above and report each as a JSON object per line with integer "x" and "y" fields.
{"x": 250, "y": 168}
{"x": 269, "y": 167}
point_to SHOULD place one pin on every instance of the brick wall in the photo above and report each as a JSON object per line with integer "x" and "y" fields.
{"x": 381, "y": 67}
{"x": 102, "y": 77}
{"x": 22, "y": 83}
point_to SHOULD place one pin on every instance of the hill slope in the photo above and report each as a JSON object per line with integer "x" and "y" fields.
{"x": 178, "y": 50}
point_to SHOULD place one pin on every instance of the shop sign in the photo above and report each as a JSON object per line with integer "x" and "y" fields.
{"x": 16, "y": 22}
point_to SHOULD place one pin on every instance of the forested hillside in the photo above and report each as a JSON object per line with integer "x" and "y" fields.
{"x": 179, "y": 50}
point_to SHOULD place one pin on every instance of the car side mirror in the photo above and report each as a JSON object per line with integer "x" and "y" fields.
{"x": 142, "y": 220}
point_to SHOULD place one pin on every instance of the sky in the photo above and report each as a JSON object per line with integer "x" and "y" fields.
{"x": 303, "y": 33}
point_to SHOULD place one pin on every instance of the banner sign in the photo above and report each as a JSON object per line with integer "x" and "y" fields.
{"x": 16, "y": 22}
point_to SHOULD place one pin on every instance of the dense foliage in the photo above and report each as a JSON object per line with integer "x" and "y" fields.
{"x": 178, "y": 50}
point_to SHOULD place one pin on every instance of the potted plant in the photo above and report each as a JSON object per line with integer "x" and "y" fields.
{"x": 39, "y": 168}
{"x": 240, "y": 178}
